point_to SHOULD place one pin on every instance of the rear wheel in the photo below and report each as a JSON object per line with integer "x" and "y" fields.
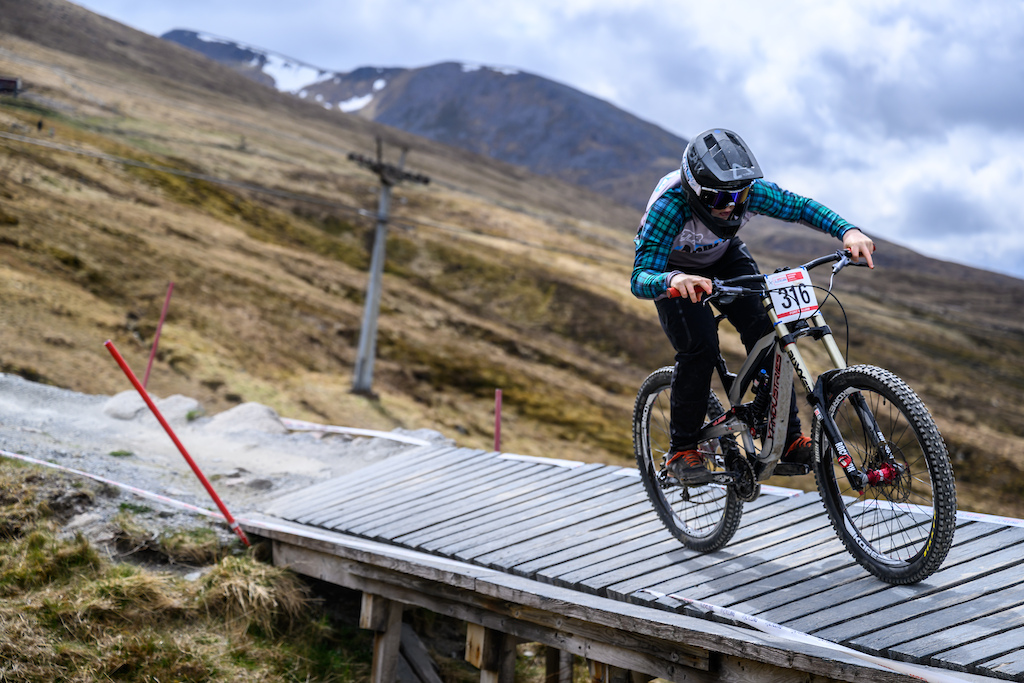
{"x": 900, "y": 526}
{"x": 703, "y": 517}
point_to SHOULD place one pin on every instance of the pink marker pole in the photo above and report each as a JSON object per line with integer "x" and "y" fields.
{"x": 156, "y": 339}
{"x": 170, "y": 432}
{"x": 497, "y": 420}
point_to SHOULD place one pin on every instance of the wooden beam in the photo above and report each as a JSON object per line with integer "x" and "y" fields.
{"x": 606, "y": 673}
{"x": 384, "y": 617}
{"x": 493, "y": 652}
{"x": 374, "y": 612}
{"x": 558, "y": 666}
{"x": 636, "y": 638}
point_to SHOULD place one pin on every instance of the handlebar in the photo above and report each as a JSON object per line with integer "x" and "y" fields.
{"x": 733, "y": 287}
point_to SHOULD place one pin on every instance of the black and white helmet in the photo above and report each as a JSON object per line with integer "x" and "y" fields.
{"x": 718, "y": 169}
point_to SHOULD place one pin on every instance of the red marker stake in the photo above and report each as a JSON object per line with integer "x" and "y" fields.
{"x": 497, "y": 419}
{"x": 156, "y": 338}
{"x": 170, "y": 432}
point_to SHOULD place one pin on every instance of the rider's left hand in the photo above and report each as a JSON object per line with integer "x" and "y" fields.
{"x": 859, "y": 245}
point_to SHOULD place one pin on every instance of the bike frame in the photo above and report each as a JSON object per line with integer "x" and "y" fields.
{"x": 782, "y": 339}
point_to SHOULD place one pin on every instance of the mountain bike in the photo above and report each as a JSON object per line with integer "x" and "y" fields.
{"x": 879, "y": 461}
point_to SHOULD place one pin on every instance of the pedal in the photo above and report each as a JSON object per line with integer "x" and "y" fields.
{"x": 791, "y": 469}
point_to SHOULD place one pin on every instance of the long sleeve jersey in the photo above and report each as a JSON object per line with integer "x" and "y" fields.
{"x": 671, "y": 238}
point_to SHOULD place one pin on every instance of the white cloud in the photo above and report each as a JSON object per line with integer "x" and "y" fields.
{"x": 864, "y": 105}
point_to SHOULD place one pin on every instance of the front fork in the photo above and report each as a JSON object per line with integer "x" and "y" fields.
{"x": 816, "y": 395}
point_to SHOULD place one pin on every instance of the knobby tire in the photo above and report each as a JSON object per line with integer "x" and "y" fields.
{"x": 901, "y": 529}
{"x": 703, "y": 518}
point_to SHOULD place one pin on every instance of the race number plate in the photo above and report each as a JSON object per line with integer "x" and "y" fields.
{"x": 792, "y": 295}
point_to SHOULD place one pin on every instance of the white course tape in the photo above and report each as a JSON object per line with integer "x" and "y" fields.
{"x": 929, "y": 675}
{"x": 303, "y": 426}
{"x": 137, "y": 491}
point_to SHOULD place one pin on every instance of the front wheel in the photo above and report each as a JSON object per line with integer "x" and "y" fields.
{"x": 703, "y": 517}
{"x": 899, "y": 524}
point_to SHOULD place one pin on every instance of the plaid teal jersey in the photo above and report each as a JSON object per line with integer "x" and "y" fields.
{"x": 669, "y": 214}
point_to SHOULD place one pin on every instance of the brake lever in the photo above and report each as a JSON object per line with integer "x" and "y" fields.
{"x": 844, "y": 260}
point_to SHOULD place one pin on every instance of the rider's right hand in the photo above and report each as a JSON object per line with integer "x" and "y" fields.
{"x": 859, "y": 245}
{"x": 691, "y": 287}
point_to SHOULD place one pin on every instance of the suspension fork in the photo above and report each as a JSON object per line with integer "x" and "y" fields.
{"x": 857, "y": 400}
{"x": 816, "y": 391}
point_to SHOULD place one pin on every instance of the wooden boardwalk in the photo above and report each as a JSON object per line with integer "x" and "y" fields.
{"x": 591, "y": 529}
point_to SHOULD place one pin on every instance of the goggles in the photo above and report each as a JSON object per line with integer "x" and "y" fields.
{"x": 721, "y": 199}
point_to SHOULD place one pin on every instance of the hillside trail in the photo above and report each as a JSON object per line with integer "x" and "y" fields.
{"x": 246, "y": 452}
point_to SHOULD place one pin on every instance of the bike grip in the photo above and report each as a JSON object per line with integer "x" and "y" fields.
{"x": 674, "y": 293}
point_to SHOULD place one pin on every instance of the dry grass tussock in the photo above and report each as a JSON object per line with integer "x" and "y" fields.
{"x": 70, "y": 613}
{"x": 247, "y": 595}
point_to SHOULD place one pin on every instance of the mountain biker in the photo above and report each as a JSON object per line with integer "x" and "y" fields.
{"x": 687, "y": 236}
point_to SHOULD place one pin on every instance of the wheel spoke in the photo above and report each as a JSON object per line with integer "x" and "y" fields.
{"x": 702, "y": 517}
{"x": 904, "y": 520}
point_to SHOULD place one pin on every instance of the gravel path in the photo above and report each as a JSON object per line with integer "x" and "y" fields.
{"x": 246, "y": 452}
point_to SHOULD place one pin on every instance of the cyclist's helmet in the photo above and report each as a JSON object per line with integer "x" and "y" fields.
{"x": 718, "y": 169}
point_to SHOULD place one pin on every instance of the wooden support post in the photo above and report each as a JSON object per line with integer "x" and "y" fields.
{"x": 559, "y": 666}
{"x": 384, "y": 617}
{"x": 606, "y": 673}
{"x": 493, "y": 652}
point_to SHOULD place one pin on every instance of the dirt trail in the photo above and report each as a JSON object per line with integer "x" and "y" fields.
{"x": 246, "y": 452}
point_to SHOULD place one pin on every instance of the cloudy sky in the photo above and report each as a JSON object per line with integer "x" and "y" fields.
{"x": 904, "y": 116}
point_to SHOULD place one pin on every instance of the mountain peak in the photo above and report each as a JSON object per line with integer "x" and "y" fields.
{"x": 499, "y": 111}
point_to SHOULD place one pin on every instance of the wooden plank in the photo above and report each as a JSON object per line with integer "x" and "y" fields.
{"x": 736, "y": 557}
{"x": 778, "y": 598}
{"x": 797, "y": 603}
{"x": 579, "y": 528}
{"x": 669, "y": 565}
{"x": 614, "y": 536}
{"x": 843, "y": 620}
{"x": 924, "y": 648}
{"x": 992, "y": 594}
{"x": 374, "y": 613}
{"x": 386, "y": 621}
{"x": 502, "y": 592}
{"x": 347, "y": 485}
{"x": 493, "y": 652}
{"x": 415, "y": 653}
{"x": 552, "y": 502}
{"x": 1010, "y": 665}
{"x": 557, "y": 666}
{"x": 751, "y": 567}
{"x": 313, "y": 494}
{"x": 613, "y": 643}
{"x": 517, "y": 497}
{"x": 379, "y": 480}
{"x": 795, "y": 651}
{"x": 556, "y": 567}
{"x": 571, "y": 572}
{"x": 578, "y": 574}
{"x": 383, "y": 488}
{"x": 409, "y": 502}
{"x": 976, "y": 655}
{"x": 758, "y": 596}
{"x": 501, "y": 493}
{"x": 591, "y": 505}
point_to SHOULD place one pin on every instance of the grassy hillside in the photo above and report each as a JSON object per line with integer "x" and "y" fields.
{"x": 495, "y": 278}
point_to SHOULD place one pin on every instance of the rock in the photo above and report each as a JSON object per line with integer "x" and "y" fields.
{"x": 177, "y": 409}
{"x": 124, "y": 406}
{"x": 247, "y": 417}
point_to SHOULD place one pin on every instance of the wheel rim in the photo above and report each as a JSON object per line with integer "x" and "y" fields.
{"x": 894, "y": 519}
{"x": 697, "y": 511}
